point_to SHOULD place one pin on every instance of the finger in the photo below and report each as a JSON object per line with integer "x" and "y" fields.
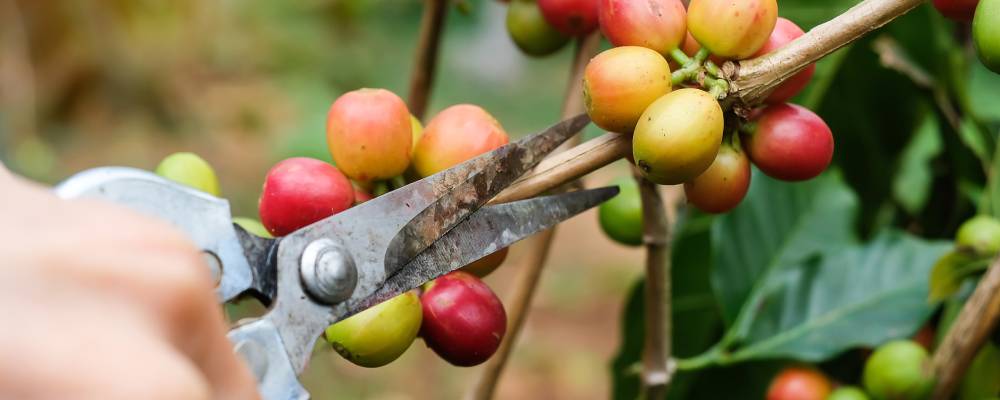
{"x": 89, "y": 361}
{"x": 154, "y": 268}
{"x": 194, "y": 308}
{"x": 178, "y": 291}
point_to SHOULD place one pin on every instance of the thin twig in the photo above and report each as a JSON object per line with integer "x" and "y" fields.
{"x": 568, "y": 166}
{"x": 425, "y": 59}
{"x": 752, "y": 80}
{"x": 658, "y": 222}
{"x": 531, "y": 271}
{"x": 970, "y": 330}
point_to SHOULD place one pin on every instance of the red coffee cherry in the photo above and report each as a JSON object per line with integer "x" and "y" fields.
{"x": 799, "y": 383}
{"x": 660, "y": 25}
{"x": 723, "y": 185}
{"x": 785, "y": 32}
{"x": 790, "y": 143}
{"x": 570, "y": 17}
{"x": 958, "y": 10}
{"x": 301, "y": 191}
{"x": 464, "y": 321}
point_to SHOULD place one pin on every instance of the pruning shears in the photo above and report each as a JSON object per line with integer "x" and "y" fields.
{"x": 353, "y": 260}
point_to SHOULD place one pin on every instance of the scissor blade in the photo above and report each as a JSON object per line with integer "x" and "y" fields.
{"x": 511, "y": 161}
{"x": 486, "y": 231}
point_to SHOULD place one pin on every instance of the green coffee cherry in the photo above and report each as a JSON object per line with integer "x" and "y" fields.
{"x": 379, "y": 335}
{"x": 253, "y": 226}
{"x": 621, "y": 217}
{"x": 899, "y": 370}
{"x": 190, "y": 170}
{"x": 986, "y": 33}
{"x": 848, "y": 393}
{"x": 981, "y": 234}
{"x": 530, "y": 32}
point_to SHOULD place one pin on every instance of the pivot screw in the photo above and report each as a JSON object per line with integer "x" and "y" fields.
{"x": 328, "y": 271}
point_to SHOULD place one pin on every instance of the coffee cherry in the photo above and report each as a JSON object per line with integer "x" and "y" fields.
{"x": 379, "y": 335}
{"x": 361, "y": 196}
{"x": 252, "y": 226}
{"x": 457, "y": 134}
{"x": 570, "y": 17}
{"x": 486, "y": 265}
{"x": 799, "y": 383}
{"x": 678, "y": 136}
{"x": 958, "y": 10}
{"x": 789, "y": 142}
{"x": 621, "y": 217}
{"x": 732, "y": 29}
{"x": 301, "y": 191}
{"x": 848, "y": 393}
{"x": 620, "y": 83}
{"x": 785, "y": 32}
{"x": 370, "y": 135}
{"x": 899, "y": 370}
{"x": 723, "y": 185}
{"x": 529, "y": 30}
{"x": 191, "y": 170}
{"x": 464, "y": 321}
{"x": 986, "y": 33}
{"x": 981, "y": 234}
{"x": 660, "y": 25}
{"x": 417, "y": 129}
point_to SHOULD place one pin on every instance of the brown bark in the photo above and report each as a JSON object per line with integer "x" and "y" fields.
{"x": 425, "y": 59}
{"x": 970, "y": 330}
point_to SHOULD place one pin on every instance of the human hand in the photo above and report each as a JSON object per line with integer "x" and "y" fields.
{"x": 102, "y": 303}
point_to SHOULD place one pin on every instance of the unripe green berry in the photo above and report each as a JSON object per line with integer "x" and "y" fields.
{"x": 191, "y": 170}
{"x": 981, "y": 234}
{"x": 899, "y": 370}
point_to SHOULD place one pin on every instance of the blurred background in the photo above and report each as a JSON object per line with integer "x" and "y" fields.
{"x": 248, "y": 83}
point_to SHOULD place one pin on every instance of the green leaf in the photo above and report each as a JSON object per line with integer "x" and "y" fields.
{"x": 975, "y": 139}
{"x": 980, "y": 381}
{"x": 874, "y": 111}
{"x": 984, "y": 92}
{"x": 794, "y": 282}
{"x": 993, "y": 185}
{"x": 951, "y": 270}
{"x": 826, "y": 71}
{"x": 778, "y": 224}
{"x": 912, "y": 183}
{"x": 809, "y": 13}
{"x": 860, "y": 295}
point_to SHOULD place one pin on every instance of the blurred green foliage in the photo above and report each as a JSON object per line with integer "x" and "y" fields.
{"x": 809, "y": 272}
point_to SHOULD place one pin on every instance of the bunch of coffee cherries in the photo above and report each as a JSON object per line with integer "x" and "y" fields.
{"x": 377, "y": 146}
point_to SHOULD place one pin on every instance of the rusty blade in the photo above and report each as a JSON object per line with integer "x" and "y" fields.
{"x": 512, "y": 161}
{"x": 488, "y": 230}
